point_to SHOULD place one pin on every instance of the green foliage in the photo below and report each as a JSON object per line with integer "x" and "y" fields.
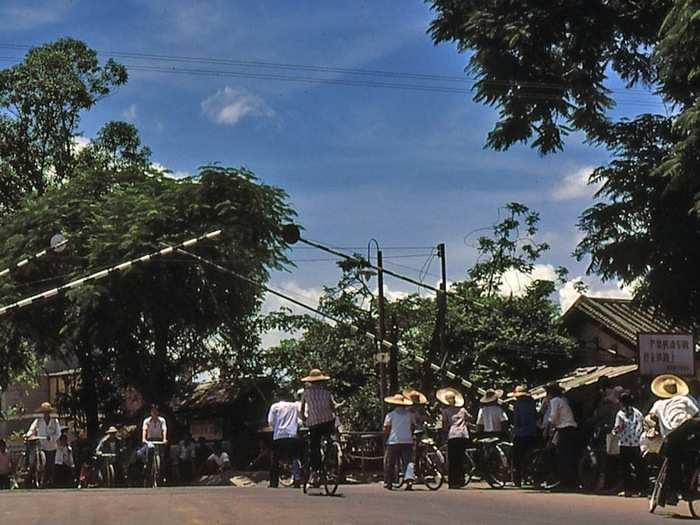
{"x": 41, "y": 101}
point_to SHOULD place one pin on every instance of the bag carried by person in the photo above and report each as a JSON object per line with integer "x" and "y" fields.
{"x": 612, "y": 444}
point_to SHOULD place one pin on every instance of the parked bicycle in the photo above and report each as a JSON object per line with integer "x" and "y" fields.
{"x": 429, "y": 467}
{"x": 330, "y": 473}
{"x": 591, "y": 465}
{"x": 107, "y": 472}
{"x": 489, "y": 460}
{"x": 33, "y": 462}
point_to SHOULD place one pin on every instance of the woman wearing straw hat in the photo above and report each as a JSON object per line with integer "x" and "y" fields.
{"x": 49, "y": 428}
{"x": 454, "y": 425}
{"x": 492, "y": 420}
{"x": 525, "y": 431}
{"x": 677, "y": 417}
{"x": 398, "y": 433}
{"x": 318, "y": 413}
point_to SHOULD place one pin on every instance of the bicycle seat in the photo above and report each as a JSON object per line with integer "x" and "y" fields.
{"x": 488, "y": 440}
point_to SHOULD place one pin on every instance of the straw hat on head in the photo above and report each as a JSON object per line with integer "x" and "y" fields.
{"x": 112, "y": 430}
{"x": 450, "y": 397}
{"x": 416, "y": 397}
{"x": 315, "y": 375}
{"x": 520, "y": 391}
{"x": 491, "y": 396}
{"x": 45, "y": 408}
{"x": 669, "y": 385}
{"x": 399, "y": 400}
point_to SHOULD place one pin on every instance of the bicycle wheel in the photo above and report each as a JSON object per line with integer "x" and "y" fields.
{"x": 589, "y": 471}
{"x": 332, "y": 468}
{"x": 40, "y": 469}
{"x": 155, "y": 470}
{"x": 469, "y": 465}
{"x": 694, "y": 494}
{"x": 110, "y": 476}
{"x": 658, "y": 487}
{"x": 495, "y": 467}
{"x": 285, "y": 476}
{"x": 431, "y": 473}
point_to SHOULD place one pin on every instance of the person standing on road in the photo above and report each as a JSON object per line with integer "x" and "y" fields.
{"x": 185, "y": 459}
{"x": 561, "y": 420}
{"x": 398, "y": 434}
{"x": 419, "y": 408}
{"x": 5, "y": 466}
{"x": 49, "y": 428}
{"x": 454, "y": 426}
{"x": 677, "y": 417}
{"x": 629, "y": 425}
{"x": 525, "y": 431}
{"x": 64, "y": 475}
{"x": 318, "y": 413}
{"x": 283, "y": 417}
{"x": 491, "y": 419}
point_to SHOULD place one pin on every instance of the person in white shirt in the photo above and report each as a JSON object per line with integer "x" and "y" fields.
{"x": 492, "y": 420}
{"x": 65, "y": 465}
{"x": 677, "y": 417}
{"x": 454, "y": 426}
{"x": 398, "y": 432}
{"x": 154, "y": 429}
{"x": 629, "y": 425}
{"x": 561, "y": 419}
{"x": 219, "y": 459}
{"x": 283, "y": 418}
{"x": 48, "y": 428}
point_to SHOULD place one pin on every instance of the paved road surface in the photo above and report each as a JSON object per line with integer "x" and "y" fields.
{"x": 357, "y": 504}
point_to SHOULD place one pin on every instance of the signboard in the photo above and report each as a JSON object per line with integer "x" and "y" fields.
{"x": 666, "y": 354}
{"x": 209, "y": 429}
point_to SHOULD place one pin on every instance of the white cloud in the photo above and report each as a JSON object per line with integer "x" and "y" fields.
{"x": 131, "y": 113}
{"x": 568, "y": 293}
{"x": 273, "y": 303}
{"x": 80, "y": 143}
{"x": 178, "y": 174}
{"x": 229, "y": 106}
{"x": 575, "y": 185}
{"x": 516, "y": 282}
{"x": 19, "y": 16}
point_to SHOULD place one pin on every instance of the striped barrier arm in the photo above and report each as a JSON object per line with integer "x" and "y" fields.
{"x": 102, "y": 274}
{"x": 34, "y": 257}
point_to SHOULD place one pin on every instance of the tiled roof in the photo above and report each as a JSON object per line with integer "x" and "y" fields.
{"x": 586, "y": 376}
{"x": 624, "y": 317}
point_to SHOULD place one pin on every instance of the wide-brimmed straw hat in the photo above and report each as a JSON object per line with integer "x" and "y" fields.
{"x": 315, "y": 375}
{"x": 450, "y": 397}
{"x": 491, "y": 396}
{"x": 416, "y": 397}
{"x": 520, "y": 391}
{"x": 399, "y": 400}
{"x": 669, "y": 385}
{"x": 112, "y": 430}
{"x": 45, "y": 407}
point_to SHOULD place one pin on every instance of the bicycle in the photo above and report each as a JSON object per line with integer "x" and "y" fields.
{"x": 107, "y": 472}
{"x": 153, "y": 466}
{"x": 489, "y": 459}
{"x": 591, "y": 465}
{"x": 331, "y": 467}
{"x": 429, "y": 465}
{"x": 34, "y": 462}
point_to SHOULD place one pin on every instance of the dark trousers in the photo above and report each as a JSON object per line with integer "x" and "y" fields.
{"x": 455, "y": 461}
{"x": 676, "y": 447}
{"x": 521, "y": 446}
{"x": 50, "y": 467}
{"x": 567, "y": 455}
{"x": 392, "y": 453}
{"x": 285, "y": 448}
{"x": 631, "y": 458}
{"x": 316, "y": 433}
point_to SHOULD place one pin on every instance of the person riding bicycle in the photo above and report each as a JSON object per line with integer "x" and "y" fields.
{"x": 317, "y": 412}
{"x": 398, "y": 432}
{"x": 492, "y": 420}
{"x": 283, "y": 418}
{"x": 677, "y": 417}
{"x": 110, "y": 444}
{"x": 48, "y": 428}
{"x": 454, "y": 425}
{"x": 154, "y": 428}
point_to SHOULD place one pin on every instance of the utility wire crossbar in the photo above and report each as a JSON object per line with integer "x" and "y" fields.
{"x": 353, "y": 328}
{"x": 34, "y": 257}
{"x": 103, "y": 273}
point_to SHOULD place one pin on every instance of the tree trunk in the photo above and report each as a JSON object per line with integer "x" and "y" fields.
{"x": 88, "y": 393}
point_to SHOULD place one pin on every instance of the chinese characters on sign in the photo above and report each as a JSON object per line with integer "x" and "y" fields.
{"x": 666, "y": 354}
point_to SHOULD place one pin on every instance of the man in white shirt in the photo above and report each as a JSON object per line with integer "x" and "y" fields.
{"x": 283, "y": 418}
{"x": 398, "y": 431}
{"x": 491, "y": 420}
{"x": 561, "y": 419}
{"x": 48, "y": 428}
{"x": 677, "y": 416}
{"x": 219, "y": 458}
{"x": 154, "y": 429}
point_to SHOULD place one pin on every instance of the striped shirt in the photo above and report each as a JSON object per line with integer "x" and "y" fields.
{"x": 319, "y": 405}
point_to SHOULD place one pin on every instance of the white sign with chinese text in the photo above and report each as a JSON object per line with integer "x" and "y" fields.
{"x": 666, "y": 354}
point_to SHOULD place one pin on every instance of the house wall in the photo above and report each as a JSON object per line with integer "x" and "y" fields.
{"x": 594, "y": 340}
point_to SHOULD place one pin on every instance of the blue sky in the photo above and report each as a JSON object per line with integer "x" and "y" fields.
{"x": 405, "y": 167}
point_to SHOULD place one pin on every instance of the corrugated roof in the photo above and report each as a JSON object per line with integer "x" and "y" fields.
{"x": 625, "y": 318}
{"x": 586, "y": 376}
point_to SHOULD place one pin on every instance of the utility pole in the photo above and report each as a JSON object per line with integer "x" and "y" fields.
{"x": 394, "y": 355}
{"x": 382, "y": 327}
{"x": 442, "y": 303}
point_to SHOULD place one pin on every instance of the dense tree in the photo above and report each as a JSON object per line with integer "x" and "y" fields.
{"x": 545, "y": 66}
{"x": 157, "y": 325}
{"x": 41, "y": 102}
